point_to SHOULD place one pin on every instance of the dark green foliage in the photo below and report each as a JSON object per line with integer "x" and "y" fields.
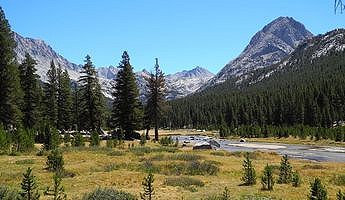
{"x": 90, "y": 98}
{"x": 155, "y": 99}
{"x": 303, "y": 99}
{"x": 10, "y": 93}
{"x": 7, "y": 193}
{"x": 78, "y": 140}
{"x": 249, "y": 174}
{"x": 64, "y": 100}
{"x": 166, "y": 141}
{"x": 51, "y": 95}
{"x": 147, "y": 187}
{"x": 57, "y": 191}
{"x": 23, "y": 139}
{"x": 285, "y": 171}
{"x": 126, "y": 110}
{"x": 296, "y": 179}
{"x": 108, "y": 194}
{"x": 55, "y": 161}
{"x": 142, "y": 140}
{"x": 30, "y": 87}
{"x": 95, "y": 140}
{"x": 29, "y": 186}
{"x": 67, "y": 138}
{"x": 267, "y": 179}
{"x": 201, "y": 168}
{"x": 51, "y": 138}
{"x": 5, "y": 140}
{"x": 317, "y": 190}
{"x": 340, "y": 195}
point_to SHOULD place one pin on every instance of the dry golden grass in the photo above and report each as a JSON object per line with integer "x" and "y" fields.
{"x": 89, "y": 167}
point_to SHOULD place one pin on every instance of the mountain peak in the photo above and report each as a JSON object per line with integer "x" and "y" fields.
{"x": 268, "y": 46}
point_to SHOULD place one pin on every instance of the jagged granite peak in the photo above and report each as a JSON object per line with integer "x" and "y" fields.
{"x": 43, "y": 54}
{"x": 178, "y": 85}
{"x": 268, "y": 46}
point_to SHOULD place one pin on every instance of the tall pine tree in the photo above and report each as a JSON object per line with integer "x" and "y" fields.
{"x": 126, "y": 111}
{"x": 91, "y": 98}
{"x": 155, "y": 99}
{"x": 51, "y": 95}
{"x": 9, "y": 80}
{"x": 30, "y": 87}
{"x": 64, "y": 100}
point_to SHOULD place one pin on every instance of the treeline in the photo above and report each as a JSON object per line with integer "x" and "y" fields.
{"x": 306, "y": 93}
{"x": 30, "y": 105}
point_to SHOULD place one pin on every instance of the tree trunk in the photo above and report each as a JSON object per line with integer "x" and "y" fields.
{"x": 147, "y": 133}
{"x": 156, "y": 132}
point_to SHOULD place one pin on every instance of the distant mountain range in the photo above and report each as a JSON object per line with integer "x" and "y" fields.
{"x": 178, "y": 85}
{"x": 269, "y": 46}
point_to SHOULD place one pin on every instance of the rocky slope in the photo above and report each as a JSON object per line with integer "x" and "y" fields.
{"x": 178, "y": 85}
{"x": 268, "y": 46}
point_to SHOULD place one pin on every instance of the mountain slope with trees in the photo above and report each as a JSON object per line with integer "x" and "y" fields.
{"x": 305, "y": 90}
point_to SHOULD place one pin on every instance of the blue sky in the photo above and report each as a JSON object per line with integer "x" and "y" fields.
{"x": 181, "y": 33}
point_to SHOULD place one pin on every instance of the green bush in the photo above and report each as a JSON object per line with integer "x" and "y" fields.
{"x": 5, "y": 140}
{"x": 25, "y": 162}
{"x": 95, "y": 140}
{"x": 78, "y": 140}
{"x": 202, "y": 168}
{"x": 296, "y": 179}
{"x": 24, "y": 140}
{"x": 184, "y": 182}
{"x": 7, "y": 193}
{"x": 55, "y": 161}
{"x": 142, "y": 140}
{"x": 339, "y": 180}
{"x": 111, "y": 143}
{"x": 108, "y": 194}
{"x": 166, "y": 141}
{"x": 185, "y": 157}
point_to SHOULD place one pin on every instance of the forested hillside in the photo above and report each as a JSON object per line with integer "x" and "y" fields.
{"x": 306, "y": 90}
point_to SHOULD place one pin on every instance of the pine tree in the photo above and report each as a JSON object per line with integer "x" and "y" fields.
{"x": 10, "y": 93}
{"x": 267, "y": 179}
{"x": 155, "y": 98}
{"x": 29, "y": 186}
{"x": 126, "y": 111}
{"x": 95, "y": 140}
{"x": 91, "y": 98}
{"x": 64, "y": 100}
{"x": 148, "y": 187}
{"x": 225, "y": 195}
{"x": 285, "y": 169}
{"x": 51, "y": 138}
{"x": 249, "y": 175}
{"x": 340, "y": 195}
{"x": 30, "y": 87}
{"x": 57, "y": 191}
{"x": 51, "y": 95}
{"x": 55, "y": 161}
{"x": 296, "y": 179}
{"x": 317, "y": 190}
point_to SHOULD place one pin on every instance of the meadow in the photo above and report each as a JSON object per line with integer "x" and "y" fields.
{"x": 179, "y": 172}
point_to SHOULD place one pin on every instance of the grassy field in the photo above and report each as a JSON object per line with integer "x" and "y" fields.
{"x": 174, "y": 169}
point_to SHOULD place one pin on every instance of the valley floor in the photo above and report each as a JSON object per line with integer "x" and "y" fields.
{"x": 125, "y": 167}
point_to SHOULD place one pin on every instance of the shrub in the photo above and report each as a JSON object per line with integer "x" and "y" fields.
{"x": 285, "y": 171}
{"x": 108, "y": 194}
{"x": 57, "y": 191}
{"x": 78, "y": 140}
{"x": 67, "y": 138}
{"x": 142, "y": 140}
{"x": 5, "y": 140}
{"x": 166, "y": 141}
{"x": 202, "y": 168}
{"x": 340, "y": 195}
{"x": 317, "y": 190}
{"x": 296, "y": 179}
{"x": 340, "y": 180}
{"x": 249, "y": 175}
{"x": 29, "y": 186}
{"x": 267, "y": 179}
{"x": 7, "y": 193}
{"x": 111, "y": 143}
{"x": 25, "y": 162}
{"x": 185, "y": 157}
{"x": 24, "y": 140}
{"x": 95, "y": 140}
{"x": 225, "y": 195}
{"x": 51, "y": 138}
{"x": 184, "y": 182}
{"x": 55, "y": 161}
{"x": 116, "y": 153}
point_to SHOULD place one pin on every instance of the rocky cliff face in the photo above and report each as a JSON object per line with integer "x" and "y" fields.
{"x": 178, "y": 85}
{"x": 270, "y": 45}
